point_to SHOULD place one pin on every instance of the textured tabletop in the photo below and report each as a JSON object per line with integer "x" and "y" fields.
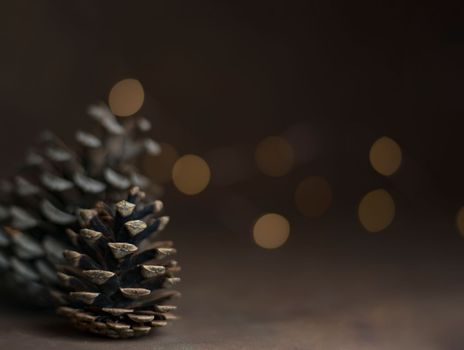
{"x": 310, "y": 297}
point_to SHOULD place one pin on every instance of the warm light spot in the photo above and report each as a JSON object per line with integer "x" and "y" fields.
{"x": 191, "y": 174}
{"x": 274, "y": 156}
{"x": 376, "y": 210}
{"x": 460, "y": 221}
{"x": 313, "y": 196}
{"x": 271, "y": 231}
{"x": 385, "y": 156}
{"x": 159, "y": 167}
{"x": 126, "y": 97}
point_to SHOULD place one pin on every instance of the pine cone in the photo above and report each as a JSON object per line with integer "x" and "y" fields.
{"x": 117, "y": 276}
{"x": 42, "y": 198}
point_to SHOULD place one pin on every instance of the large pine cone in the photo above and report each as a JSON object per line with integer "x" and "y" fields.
{"x": 118, "y": 277}
{"x": 41, "y": 200}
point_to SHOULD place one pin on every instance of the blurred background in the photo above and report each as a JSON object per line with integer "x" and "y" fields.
{"x": 311, "y": 154}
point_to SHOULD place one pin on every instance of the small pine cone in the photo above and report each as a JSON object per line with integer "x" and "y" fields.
{"x": 118, "y": 277}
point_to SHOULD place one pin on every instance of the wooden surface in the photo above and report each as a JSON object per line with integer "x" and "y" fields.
{"x": 306, "y": 297}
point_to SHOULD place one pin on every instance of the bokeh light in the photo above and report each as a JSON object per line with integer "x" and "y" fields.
{"x": 460, "y": 221}
{"x": 385, "y": 156}
{"x": 191, "y": 174}
{"x": 126, "y": 97}
{"x": 376, "y": 210}
{"x": 313, "y": 196}
{"x": 271, "y": 231}
{"x": 159, "y": 167}
{"x": 274, "y": 156}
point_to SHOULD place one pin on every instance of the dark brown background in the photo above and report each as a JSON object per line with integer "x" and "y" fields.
{"x": 229, "y": 73}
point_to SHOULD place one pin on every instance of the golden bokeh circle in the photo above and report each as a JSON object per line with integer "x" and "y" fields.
{"x": 313, "y": 196}
{"x": 460, "y": 221}
{"x": 159, "y": 167}
{"x": 191, "y": 174}
{"x": 385, "y": 156}
{"x": 376, "y": 210}
{"x": 274, "y": 156}
{"x": 126, "y": 97}
{"x": 271, "y": 231}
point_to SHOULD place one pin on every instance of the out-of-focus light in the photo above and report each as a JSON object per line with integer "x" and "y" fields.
{"x": 271, "y": 231}
{"x": 191, "y": 174}
{"x": 126, "y": 97}
{"x": 159, "y": 167}
{"x": 385, "y": 156}
{"x": 376, "y": 210}
{"x": 313, "y": 196}
{"x": 274, "y": 156}
{"x": 460, "y": 221}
